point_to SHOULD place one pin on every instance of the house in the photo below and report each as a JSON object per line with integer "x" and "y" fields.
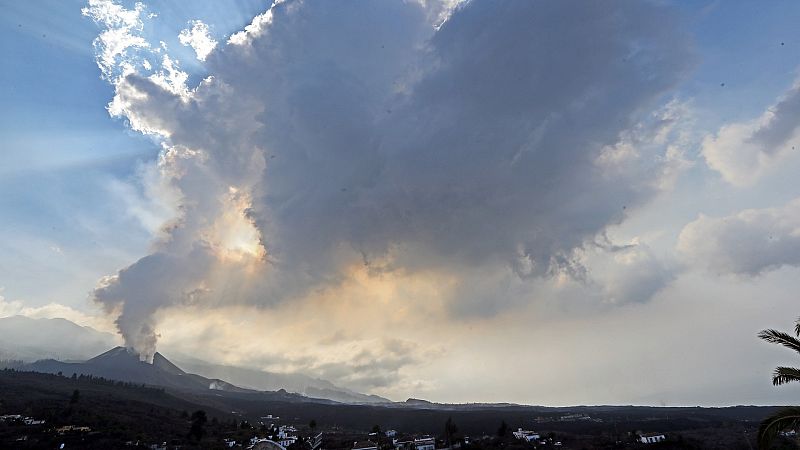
{"x": 286, "y": 435}
{"x": 526, "y": 435}
{"x": 365, "y": 445}
{"x": 391, "y": 433}
{"x": 651, "y": 438}
{"x": 425, "y": 443}
{"x": 287, "y": 441}
{"x": 403, "y": 443}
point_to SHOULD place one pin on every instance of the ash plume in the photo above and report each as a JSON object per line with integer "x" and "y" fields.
{"x": 397, "y": 135}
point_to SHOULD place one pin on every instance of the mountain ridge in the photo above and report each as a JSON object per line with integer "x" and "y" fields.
{"x": 67, "y": 342}
{"x": 123, "y": 364}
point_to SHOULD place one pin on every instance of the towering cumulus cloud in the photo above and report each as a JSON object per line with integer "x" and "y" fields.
{"x": 396, "y": 135}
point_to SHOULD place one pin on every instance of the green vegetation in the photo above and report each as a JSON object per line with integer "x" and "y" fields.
{"x": 787, "y": 418}
{"x": 450, "y": 430}
{"x": 115, "y": 413}
{"x": 502, "y": 430}
{"x": 199, "y": 420}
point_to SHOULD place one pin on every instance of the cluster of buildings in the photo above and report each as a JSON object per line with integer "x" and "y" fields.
{"x": 72, "y": 429}
{"x": 526, "y": 435}
{"x": 576, "y": 417}
{"x": 533, "y": 437}
{"x": 22, "y": 419}
{"x": 651, "y": 438}
{"x": 399, "y": 443}
{"x": 280, "y": 439}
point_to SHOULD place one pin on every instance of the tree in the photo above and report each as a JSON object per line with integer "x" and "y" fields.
{"x": 377, "y": 430}
{"x": 76, "y": 395}
{"x": 300, "y": 444}
{"x": 199, "y": 420}
{"x": 787, "y": 417}
{"x": 503, "y": 429}
{"x": 450, "y": 429}
{"x": 312, "y": 424}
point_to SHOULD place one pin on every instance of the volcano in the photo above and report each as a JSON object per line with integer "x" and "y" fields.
{"x": 123, "y": 364}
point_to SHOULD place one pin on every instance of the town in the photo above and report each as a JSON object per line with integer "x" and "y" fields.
{"x": 40, "y": 410}
{"x": 273, "y": 432}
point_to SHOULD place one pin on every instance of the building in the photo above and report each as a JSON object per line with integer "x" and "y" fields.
{"x": 651, "y": 438}
{"x": 315, "y": 442}
{"x": 286, "y": 435}
{"x": 526, "y": 435}
{"x": 403, "y": 443}
{"x": 265, "y": 444}
{"x": 425, "y": 443}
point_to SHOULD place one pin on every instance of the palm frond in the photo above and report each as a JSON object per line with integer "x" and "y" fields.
{"x": 779, "y": 337}
{"x": 774, "y": 424}
{"x": 797, "y": 327}
{"x": 783, "y": 375}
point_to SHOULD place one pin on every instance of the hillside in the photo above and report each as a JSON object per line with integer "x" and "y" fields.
{"x": 21, "y": 339}
{"x": 121, "y": 364}
{"x": 116, "y": 413}
{"x": 272, "y": 381}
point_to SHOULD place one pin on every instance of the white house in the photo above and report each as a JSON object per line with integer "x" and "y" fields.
{"x": 526, "y": 435}
{"x": 286, "y": 436}
{"x": 651, "y": 438}
{"x": 425, "y": 443}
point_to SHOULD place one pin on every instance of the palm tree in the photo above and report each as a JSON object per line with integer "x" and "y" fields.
{"x": 787, "y": 417}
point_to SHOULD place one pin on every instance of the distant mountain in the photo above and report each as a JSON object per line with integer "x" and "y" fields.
{"x": 271, "y": 381}
{"x": 30, "y": 339}
{"x": 416, "y": 402}
{"x": 122, "y": 364}
{"x": 59, "y": 340}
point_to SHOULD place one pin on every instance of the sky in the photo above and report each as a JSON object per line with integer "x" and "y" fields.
{"x": 542, "y": 203}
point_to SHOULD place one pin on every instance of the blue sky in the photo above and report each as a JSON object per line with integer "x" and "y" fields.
{"x": 62, "y": 151}
{"x": 376, "y": 200}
